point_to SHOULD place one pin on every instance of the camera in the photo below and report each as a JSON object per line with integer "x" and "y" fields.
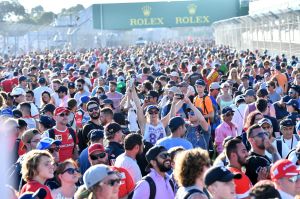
{"x": 179, "y": 96}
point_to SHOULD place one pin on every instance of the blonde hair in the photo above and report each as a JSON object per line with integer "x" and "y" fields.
{"x": 31, "y": 162}
{"x": 190, "y": 165}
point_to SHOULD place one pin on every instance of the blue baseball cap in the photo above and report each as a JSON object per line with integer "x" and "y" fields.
{"x": 227, "y": 109}
{"x": 84, "y": 99}
{"x": 294, "y": 103}
{"x": 45, "y": 143}
{"x": 200, "y": 82}
{"x": 148, "y": 108}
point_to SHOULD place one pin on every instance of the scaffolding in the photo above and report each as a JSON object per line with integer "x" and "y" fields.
{"x": 277, "y": 32}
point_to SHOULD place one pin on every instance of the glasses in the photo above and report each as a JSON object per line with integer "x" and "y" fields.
{"x": 226, "y": 87}
{"x": 55, "y": 149}
{"x": 291, "y": 93}
{"x": 79, "y": 85}
{"x": 262, "y": 134}
{"x": 164, "y": 155}
{"x": 71, "y": 171}
{"x": 294, "y": 179}
{"x": 113, "y": 182}
{"x": 191, "y": 113}
{"x": 93, "y": 109}
{"x": 16, "y": 96}
{"x": 153, "y": 112}
{"x": 64, "y": 114}
{"x": 98, "y": 156}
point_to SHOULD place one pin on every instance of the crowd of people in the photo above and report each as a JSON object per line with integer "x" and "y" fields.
{"x": 160, "y": 121}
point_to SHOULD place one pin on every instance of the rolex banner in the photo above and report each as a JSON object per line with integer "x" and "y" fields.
{"x": 163, "y": 14}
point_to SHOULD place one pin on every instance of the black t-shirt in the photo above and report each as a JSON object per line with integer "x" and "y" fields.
{"x": 114, "y": 149}
{"x": 255, "y": 162}
{"x": 194, "y": 77}
{"x": 280, "y": 112}
{"x": 83, "y": 139}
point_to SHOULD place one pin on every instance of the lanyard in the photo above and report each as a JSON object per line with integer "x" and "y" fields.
{"x": 291, "y": 142}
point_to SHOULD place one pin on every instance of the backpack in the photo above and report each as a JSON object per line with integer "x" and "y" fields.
{"x": 71, "y": 131}
{"x": 211, "y": 119}
{"x": 191, "y": 192}
{"x": 279, "y": 147}
{"x": 152, "y": 187}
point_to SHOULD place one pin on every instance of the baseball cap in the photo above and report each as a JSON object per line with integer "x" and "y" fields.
{"x": 46, "y": 142}
{"x": 17, "y": 91}
{"x": 96, "y": 174}
{"x": 95, "y": 134}
{"x": 227, "y": 109}
{"x": 108, "y": 101}
{"x": 17, "y": 113}
{"x": 262, "y": 92}
{"x": 263, "y": 121}
{"x": 28, "y": 135}
{"x": 249, "y": 92}
{"x": 214, "y": 85}
{"x": 245, "y": 77}
{"x": 283, "y": 168}
{"x": 71, "y": 85}
{"x": 46, "y": 121}
{"x": 200, "y": 82}
{"x": 22, "y": 78}
{"x": 64, "y": 72}
{"x": 42, "y": 80}
{"x": 152, "y": 94}
{"x": 148, "y": 108}
{"x": 112, "y": 128}
{"x": 174, "y": 74}
{"x": 286, "y": 122}
{"x": 174, "y": 89}
{"x": 152, "y": 153}
{"x": 286, "y": 98}
{"x": 60, "y": 110}
{"x": 239, "y": 98}
{"x": 62, "y": 89}
{"x": 294, "y": 103}
{"x": 221, "y": 174}
{"x": 84, "y": 99}
{"x": 82, "y": 72}
{"x": 183, "y": 84}
{"x": 103, "y": 97}
{"x": 176, "y": 122}
{"x": 48, "y": 108}
{"x": 95, "y": 147}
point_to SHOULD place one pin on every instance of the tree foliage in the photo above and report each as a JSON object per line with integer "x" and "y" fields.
{"x": 11, "y": 10}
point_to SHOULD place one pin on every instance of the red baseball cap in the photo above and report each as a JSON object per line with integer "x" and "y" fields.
{"x": 283, "y": 168}
{"x": 95, "y": 147}
{"x": 60, "y": 110}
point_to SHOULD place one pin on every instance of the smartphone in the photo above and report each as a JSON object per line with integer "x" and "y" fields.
{"x": 179, "y": 96}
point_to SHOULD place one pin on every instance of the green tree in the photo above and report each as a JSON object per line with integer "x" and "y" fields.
{"x": 38, "y": 10}
{"x": 45, "y": 18}
{"x": 11, "y": 10}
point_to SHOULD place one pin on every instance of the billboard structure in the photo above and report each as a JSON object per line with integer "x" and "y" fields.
{"x": 126, "y": 16}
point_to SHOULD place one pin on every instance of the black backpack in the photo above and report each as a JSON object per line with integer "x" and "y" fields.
{"x": 152, "y": 187}
{"x": 191, "y": 192}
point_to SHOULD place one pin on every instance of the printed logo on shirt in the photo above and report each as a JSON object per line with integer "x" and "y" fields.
{"x": 58, "y": 137}
{"x": 70, "y": 137}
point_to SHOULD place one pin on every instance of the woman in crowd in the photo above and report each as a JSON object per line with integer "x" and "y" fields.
{"x": 189, "y": 171}
{"x": 67, "y": 174}
{"x": 233, "y": 78}
{"x": 278, "y": 89}
{"x": 37, "y": 167}
{"x": 46, "y": 98}
{"x": 225, "y": 98}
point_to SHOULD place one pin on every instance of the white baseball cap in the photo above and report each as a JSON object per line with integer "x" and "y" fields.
{"x": 18, "y": 91}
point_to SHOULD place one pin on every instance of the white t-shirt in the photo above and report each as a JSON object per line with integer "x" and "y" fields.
{"x": 154, "y": 133}
{"x": 130, "y": 165}
{"x": 38, "y": 94}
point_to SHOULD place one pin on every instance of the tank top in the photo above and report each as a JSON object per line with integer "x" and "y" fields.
{"x": 225, "y": 103}
{"x": 154, "y": 133}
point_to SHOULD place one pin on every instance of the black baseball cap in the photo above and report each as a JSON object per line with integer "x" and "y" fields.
{"x": 227, "y": 109}
{"x": 95, "y": 135}
{"x": 111, "y": 129}
{"x": 152, "y": 153}
{"x": 200, "y": 82}
{"x": 48, "y": 108}
{"x": 152, "y": 94}
{"x": 221, "y": 174}
{"x": 46, "y": 121}
{"x": 176, "y": 122}
{"x": 71, "y": 85}
{"x": 286, "y": 122}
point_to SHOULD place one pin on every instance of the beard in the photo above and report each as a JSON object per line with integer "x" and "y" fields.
{"x": 162, "y": 167}
{"x": 95, "y": 116}
{"x": 241, "y": 161}
{"x": 261, "y": 146}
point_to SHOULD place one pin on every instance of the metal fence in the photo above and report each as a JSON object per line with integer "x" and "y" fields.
{"x": 279, "y": 32}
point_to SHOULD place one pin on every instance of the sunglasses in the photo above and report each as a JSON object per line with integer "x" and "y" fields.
{"x": 153, "y": 112}
{"x": 164, "y": 155}
{"x": 98, "y": 156}
{"x": 55, "y": 149}
{"x": 113, "y": 182}
{"x": 294, "y": 178}
{"x": 93, "y": 109}
{"x": 16, "y": 96}
{"x": 64, "y": 114}
{"x": 71, "y": 171}
{"x": 79, "y": 86}
{"x": 262, "y": 134}
{"x": 191, "y": 113}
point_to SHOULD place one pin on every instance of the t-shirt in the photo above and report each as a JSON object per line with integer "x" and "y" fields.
{"x": 243, "y": 185}
{"x": 282, "y": 80}
{"x": 154, "y": 133}
{"x": 197, "y": 136}
{"x": 169, "y": 142}
{"x": 130, "y": 165}
{"x": 274, "y": 97}
{"x": 38, "y": 94}
{"x": 7, "y": 85}
{"x": 67, "y": 143}
{"x": 199, "y": 103}
{"x": 33, "y": 186}
{"x": 255, "y": 163}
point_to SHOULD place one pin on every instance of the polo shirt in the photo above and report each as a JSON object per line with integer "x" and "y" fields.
{"x": 243, "y": 185}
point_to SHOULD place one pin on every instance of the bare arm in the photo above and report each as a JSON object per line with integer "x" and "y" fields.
{"x": 198, "y": 114}
{"x": 140, "y": 113}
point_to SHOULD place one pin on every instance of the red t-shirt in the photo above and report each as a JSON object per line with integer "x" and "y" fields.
{"x": 67, "y": 144}
{"x": 7, "y": 85}
{"x": 21, "y": 149}
{"x": 127, "y": 184}
{"x": 33, "y": 186}
{"x": 243, "y": 185}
